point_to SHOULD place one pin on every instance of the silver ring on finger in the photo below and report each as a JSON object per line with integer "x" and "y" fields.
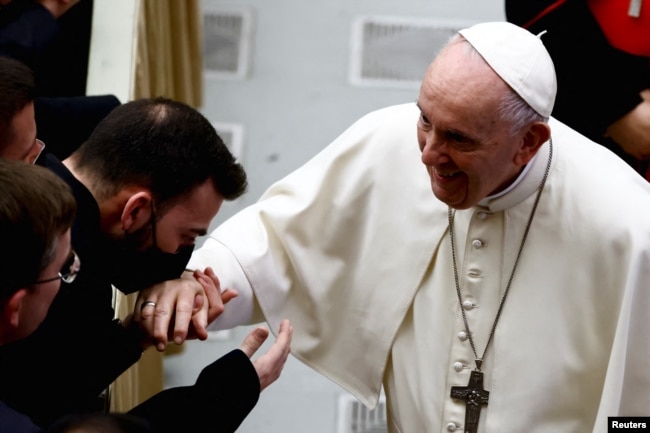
{"x": 146, "y": 304}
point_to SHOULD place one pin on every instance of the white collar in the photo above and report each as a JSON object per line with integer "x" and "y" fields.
{"x": 523, "y": 187}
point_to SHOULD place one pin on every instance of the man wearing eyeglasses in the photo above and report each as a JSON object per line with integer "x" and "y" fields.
{"x": 36, "y": 213}
{"x": 64, "y": 122}
{"x": 147, "y": 182}
{"x": 17, "y": 119}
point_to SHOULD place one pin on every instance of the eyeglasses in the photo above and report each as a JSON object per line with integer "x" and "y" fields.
{"x": 69, "y": 270}
{"x": 36, "y": 152}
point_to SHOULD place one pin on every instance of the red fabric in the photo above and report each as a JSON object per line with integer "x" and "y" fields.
{"x": 547, "y": 10}
{"x": 629, "y": 34}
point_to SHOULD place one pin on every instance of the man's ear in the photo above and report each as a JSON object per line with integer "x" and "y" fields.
{"x": 137, "y": 211}
{"x": 11, "y": 310}
{"x": 538, "y": 133}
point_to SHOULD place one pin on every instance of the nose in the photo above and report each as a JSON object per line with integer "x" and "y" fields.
{"x": 434, "y": 150}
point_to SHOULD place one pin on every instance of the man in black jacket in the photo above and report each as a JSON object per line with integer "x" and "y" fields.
{"x": 147, "y": 182}
{"x": 37, "y": 210}
{"x": 36, "y": 213}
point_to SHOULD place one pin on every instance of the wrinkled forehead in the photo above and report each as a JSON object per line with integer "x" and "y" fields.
{"x": 460, "y": 73}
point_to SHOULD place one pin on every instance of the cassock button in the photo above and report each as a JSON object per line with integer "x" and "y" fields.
{"x": 452, "y": 426}
{"x": 458, "y": 366}
{"x": 462, "y": 335}
{"x": 477, "y": 243}
{"x": 468, "y": 305}
{"x": 482, "y": 215}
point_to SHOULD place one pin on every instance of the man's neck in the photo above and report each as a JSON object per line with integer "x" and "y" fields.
{"x": 110, "y": 210}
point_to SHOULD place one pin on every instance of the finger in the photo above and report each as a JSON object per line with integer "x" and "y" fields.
{"x": 188, "y": 316}
{"x": 143, "y": 314}
{"x": 161, "y": 323}
{"x": 285, "y": 334}
{"x": 254, "y": 340}
{"x": 174, "y": 311}
{"x": 200, "y": 312}
{"x": 144, "y": 309}
{"x": 270, "y": 365}
{"x": 228, "y": 295}
{"x": 214, "y": 295}
{"x": 184, "y": 315}
{"x": 199, "y": 300}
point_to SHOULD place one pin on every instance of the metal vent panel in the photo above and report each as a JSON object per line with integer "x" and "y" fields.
{"x": 227, "y": 40}
{"x": 354, "y": 417}
{"x": 394, "y": 51}
{"x": 232, "y": 135}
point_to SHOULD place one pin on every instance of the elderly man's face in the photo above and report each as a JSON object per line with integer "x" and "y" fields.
{"x": 467, "y": 150}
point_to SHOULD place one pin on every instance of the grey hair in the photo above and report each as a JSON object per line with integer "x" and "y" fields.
{"x": 516, "y": 112}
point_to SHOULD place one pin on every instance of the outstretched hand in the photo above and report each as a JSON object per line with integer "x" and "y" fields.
{"x": 270, "y": 365}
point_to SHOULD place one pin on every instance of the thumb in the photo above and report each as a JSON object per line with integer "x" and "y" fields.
{"x": 198, "y": 303}
{"x": 254, "y": 340}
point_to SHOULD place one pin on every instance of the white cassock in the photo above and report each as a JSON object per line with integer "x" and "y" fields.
{"x": 353, "y": 247}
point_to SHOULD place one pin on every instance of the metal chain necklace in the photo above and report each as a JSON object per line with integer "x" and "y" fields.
{"x": 474, "y": 395}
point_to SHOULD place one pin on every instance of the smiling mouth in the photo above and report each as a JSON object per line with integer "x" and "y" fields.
{"x": 447, "y": 175}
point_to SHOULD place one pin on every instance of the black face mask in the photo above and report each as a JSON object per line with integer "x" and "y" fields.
{"x": 135, "y": 268}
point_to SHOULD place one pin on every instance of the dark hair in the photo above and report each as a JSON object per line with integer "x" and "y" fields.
{"x": 36, "y": 207}
{"x": 17, "y": 89}
{"x": 100, "y": 423}
{"x": 161, "y": 144}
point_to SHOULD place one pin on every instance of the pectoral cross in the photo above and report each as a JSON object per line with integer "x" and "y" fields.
{"x": 474, "y": 396}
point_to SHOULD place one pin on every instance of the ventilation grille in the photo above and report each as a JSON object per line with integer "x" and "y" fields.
{"x": 232, "y": 135}
{"x": 354, "y": 417}
{"x": 227, "y": 37}
{"x": 395, "y": 52}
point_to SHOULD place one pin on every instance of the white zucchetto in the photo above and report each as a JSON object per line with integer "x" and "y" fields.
{"x": 519, "y": 58}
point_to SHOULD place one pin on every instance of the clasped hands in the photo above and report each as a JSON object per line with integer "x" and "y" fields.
{"x": 181, "y": 309}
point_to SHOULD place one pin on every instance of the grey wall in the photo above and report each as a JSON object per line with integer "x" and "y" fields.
{"x": 296, "y": 99}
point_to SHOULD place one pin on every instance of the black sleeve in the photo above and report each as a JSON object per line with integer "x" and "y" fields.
{"x": 15, "y": 422}
{"x": 223, "y": 395}
{"x": 64, "y": 123}
{"x": 27, "y": 31}
{"x": 68, "y": 368}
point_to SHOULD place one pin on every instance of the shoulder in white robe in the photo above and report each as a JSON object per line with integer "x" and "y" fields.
{"x": 343, "y": 245}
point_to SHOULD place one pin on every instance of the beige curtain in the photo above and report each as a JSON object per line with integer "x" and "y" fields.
{"x": 143, "y": 379}
{"x": 169, "y": 57}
